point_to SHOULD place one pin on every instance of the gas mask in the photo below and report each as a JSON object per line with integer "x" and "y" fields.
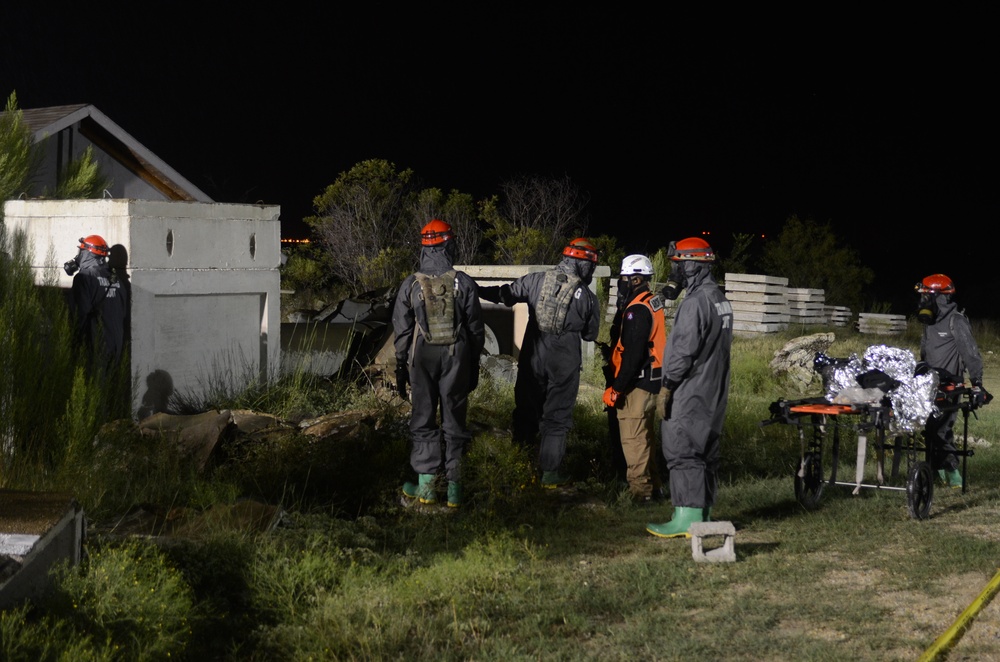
{"x": 624, "y": 287}
{"x": 72, "y": 266}
{"x": 927, "y": 309}
{"x": 675, "y": 282}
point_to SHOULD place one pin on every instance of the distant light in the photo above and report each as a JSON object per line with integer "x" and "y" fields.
{"x": 295, "y": 241}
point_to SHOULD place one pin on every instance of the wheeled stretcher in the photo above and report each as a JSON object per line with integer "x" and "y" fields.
{"x": 824, "y": 429}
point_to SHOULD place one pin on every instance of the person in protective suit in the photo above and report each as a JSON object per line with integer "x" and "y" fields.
{"x": 948, "y": 346}
{"x": 563, "y": 312}
{"x": 637, "y": 374}
{"x": 99, "y": 301}
{"x": 695, "y": 390}
{"x": 439, "y": 336}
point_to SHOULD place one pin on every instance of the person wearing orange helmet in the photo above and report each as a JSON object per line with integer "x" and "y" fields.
{"x": 563, "y": 312}
{"x": 695, "y": 390}
{"x": 439, "y": 336}
{"x": 100, "y": 303}
{"x": 948, "y": 346}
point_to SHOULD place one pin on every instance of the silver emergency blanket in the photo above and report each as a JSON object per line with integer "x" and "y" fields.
{"x": 911, "y": 400}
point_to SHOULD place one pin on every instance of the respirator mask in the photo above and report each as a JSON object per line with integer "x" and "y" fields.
{"x": 624, "y": 287}
{"x": 927, "y": 309}
{"x": 675, "y": 281}
{"x": 72, "y": 266}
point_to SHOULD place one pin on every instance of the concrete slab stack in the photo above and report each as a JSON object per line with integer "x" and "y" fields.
{"x": 807, "y": 305}
{"x": 760, "y": 303}
{"x": 881, "y": 324}
{"x": 838, "y": 315}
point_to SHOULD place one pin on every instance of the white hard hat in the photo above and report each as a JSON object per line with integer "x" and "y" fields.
{"x": 637, "y": 264}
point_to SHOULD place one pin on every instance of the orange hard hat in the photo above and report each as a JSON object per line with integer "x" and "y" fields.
{"x": 436, "y": 233}
{"x": 95, "y": 244}
{"x": 693, "y": 248}
{"x": 582, "y": 249}
{"x": 936, "y": 284}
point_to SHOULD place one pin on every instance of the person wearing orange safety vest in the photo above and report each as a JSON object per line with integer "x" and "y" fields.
{"x": 636, "y": 361}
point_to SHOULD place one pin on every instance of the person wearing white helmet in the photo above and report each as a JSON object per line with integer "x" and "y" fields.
{"x": 636, "y": 362}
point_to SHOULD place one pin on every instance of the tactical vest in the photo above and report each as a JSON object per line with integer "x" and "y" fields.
{"x": 438, "y": 294}
{"x": 554, "y": 300}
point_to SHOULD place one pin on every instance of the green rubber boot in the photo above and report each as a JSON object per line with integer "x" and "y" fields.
{"x": 425, "y": 489}
{"x": 454, "y": 494}
{"x": 678, "y": 525}
{"x": 954, "y": 478}
{"x": 410, "y": 490}
{"x": 553, "y": 479}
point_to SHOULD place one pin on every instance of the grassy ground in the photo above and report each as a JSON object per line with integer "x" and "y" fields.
{"x": 522, "y": 573}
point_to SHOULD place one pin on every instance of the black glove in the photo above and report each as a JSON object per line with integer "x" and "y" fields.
{"x": 980, "y": 396}
{"x": 402, "y": 379}
{"x": 506, "y": 296}
{"x": 491, "y": 294}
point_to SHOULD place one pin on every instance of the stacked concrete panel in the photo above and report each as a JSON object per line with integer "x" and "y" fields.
{"x": 760, "y": 303}
{"x": 838, "y": 315}
{"x": 807, "y": 305}
{"x": 881, "y": 324}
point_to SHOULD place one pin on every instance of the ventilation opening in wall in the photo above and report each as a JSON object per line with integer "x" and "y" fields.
{"x": 170, "y": 242}
{"x": 253, "y": 245}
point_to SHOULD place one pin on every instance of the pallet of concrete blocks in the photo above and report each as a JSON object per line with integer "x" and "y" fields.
{"x": 881, "y": 324}
{"x": 838, "y": 315}
{"x": 760, "y": 303}
{"x": 807, "y": 305}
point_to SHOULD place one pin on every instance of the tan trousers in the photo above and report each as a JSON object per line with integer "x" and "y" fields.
{"x": 636, "y": 419}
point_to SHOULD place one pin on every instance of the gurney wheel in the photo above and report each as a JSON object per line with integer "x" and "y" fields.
{"x": 809, "y": 481}
{"x": 920, "y": 490}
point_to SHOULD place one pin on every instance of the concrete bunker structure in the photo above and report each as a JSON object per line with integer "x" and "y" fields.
{"x": 204, "y": 279}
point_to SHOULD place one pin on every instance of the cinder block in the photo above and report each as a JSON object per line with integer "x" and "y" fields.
{"x": 701, "y": 530}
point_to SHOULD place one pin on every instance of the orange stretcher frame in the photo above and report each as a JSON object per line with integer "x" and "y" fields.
{"x": 833, "y": 410}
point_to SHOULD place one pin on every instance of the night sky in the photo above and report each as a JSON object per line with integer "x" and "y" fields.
{"x": 672, "y": 127}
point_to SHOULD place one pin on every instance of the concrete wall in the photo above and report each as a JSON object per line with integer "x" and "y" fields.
{"x": 204, "y": 276}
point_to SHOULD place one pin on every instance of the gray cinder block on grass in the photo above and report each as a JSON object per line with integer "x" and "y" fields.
{"x": 701, "y": 530}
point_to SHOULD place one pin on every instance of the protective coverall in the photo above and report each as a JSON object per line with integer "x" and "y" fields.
{"x": 548, "y": 370}
{"x": 948, "y": 344}
{"x": 101, "y": 308}
{"x": 441, "y": 376}
{"x": 696, "y": 371}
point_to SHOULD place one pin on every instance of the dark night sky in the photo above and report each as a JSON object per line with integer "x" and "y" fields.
{"x": 889, "y": 135}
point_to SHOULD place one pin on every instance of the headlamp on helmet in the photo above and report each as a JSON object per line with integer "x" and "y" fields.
{"x": 693, "y": 248}
{"x": 436, "y": 233}
{"x": 581, "y": 249}
{"x": 935, "y": 284}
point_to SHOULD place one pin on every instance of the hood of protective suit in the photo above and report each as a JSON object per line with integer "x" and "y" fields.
{"x": 435, "y": 260}
{"x": 88, "y": 261}
{"x": 694, "y": 273}
{"x": 582, "y": 269}
{"x": 938, "y": 306}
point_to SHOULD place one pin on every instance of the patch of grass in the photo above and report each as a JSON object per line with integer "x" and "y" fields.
{"x": 518, "y": 571}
